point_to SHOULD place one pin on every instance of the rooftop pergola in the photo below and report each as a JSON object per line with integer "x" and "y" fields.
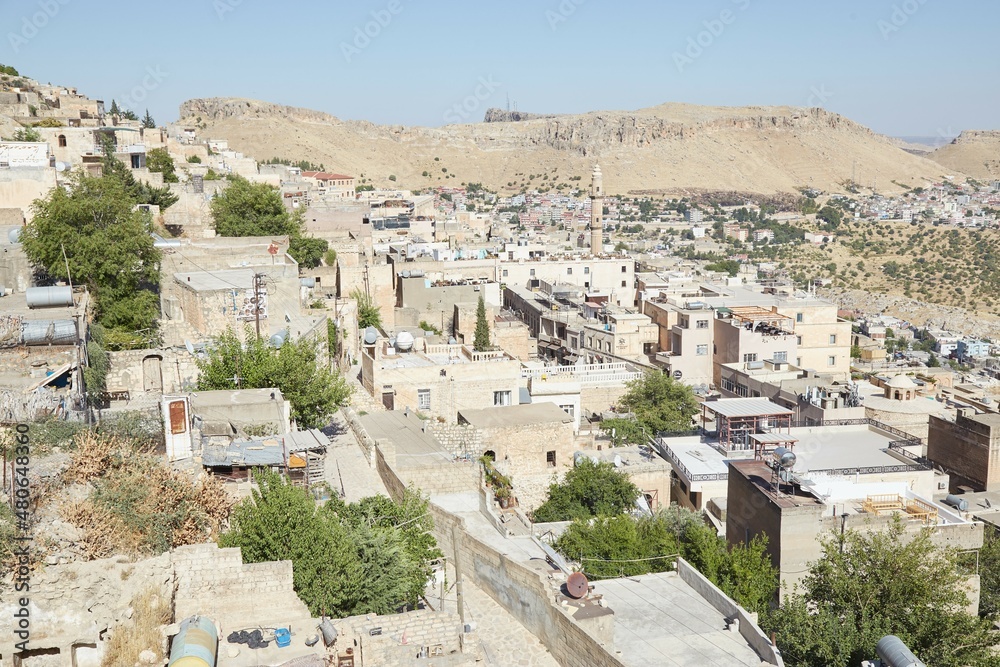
{"x": 762, "y": 320}
{"x": 765, "y": 443}
{"x": 739, "y": 419}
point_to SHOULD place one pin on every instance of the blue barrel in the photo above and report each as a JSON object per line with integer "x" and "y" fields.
{"x": 196, "y": 644}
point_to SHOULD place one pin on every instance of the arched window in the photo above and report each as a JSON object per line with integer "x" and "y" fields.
{"x": 62, "y": 141}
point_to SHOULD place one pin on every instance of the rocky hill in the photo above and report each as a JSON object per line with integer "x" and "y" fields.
{"x": 508, "y": 116}
{"x": 974, "y": 152}
{"x": 672, "y": 148}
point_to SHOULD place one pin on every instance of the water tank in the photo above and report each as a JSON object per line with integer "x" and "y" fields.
{"x": 784, "y": 457}
{"x": 14, "y": 236}
{"x": 371, "y": 336}
{"x": 49, "y": 297}
{"x": 894, "y": 653}
{"x": 167, "y": 243}
{"x": 958, "y": 502}
{"x": 278, "y": 339}
{"x": 329, "y": 632}
{"x": 404, "y": 341}
{"x": 195, "y": 645}
{"x": 49, "y": 332}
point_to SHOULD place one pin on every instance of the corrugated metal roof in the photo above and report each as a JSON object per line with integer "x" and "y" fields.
{"x": 266, "y": 452}
{"x": 746, "y": 407}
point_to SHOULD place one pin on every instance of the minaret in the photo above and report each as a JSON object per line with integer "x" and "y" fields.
{"x": 597, "y": 212}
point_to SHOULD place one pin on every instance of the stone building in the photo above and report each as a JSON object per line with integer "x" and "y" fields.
{"x": 968, "y": 448}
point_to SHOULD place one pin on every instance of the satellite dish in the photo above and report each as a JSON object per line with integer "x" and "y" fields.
{"x": 190, "y": 347}
{"x": 371, "y": 336}
{"x": 577, "y": 585}
{"x": 62, "y": 166}
{"x": 618, "y": 461}
{"x": 14, "y": 236}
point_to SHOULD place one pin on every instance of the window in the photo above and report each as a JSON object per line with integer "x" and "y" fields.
{"x": 501, "y": 398}
{"x": 62, "y": 141}
{"x": 833, "y": 339}
{"x": 624, "y": 269}
{"x": 550, "y": 458}
{"x": 798, "y": 361}
{"x": 423, "y": 399}
{"x": 505, "y": 273}
{"x": 624, "y": 284}
{"x": 799, "y": 317}
{"x": 591, "y": 343}
{"x": 781, "y": 356}
{"x": 586, "y": 270}
{"x": 532, "y": 273}
{"x": 569, "y": 409}
{"x": 609, "y": 346}
{"x": 798, "y": 340}
{"x": 569, "y": 270}
{"x": 750, "y": 356}
{"x": 702, "y": 350}
{"x": 728, "y": 385}
{"x": 831, "y": 361}
{"x": 702, "y": 324}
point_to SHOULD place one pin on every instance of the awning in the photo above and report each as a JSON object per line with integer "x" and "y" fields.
{"x": 54, "y": 375}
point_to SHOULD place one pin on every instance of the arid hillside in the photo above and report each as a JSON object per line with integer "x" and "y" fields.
{"x": 976, "y": 153}
{"x": 672, "y": 148}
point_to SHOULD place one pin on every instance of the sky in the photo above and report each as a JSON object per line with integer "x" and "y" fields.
{"x": 901, "y": 67}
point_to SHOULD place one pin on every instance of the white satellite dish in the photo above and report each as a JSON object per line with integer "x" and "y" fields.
{"x": 190, "y": 346}
{"x": 62, "y": 166}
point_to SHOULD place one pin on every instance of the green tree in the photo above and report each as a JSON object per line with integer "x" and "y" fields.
{"x": 588, "y": 490}
{"x": 114, "y": 111}
{"x": 27, "y": 134}
{"x": 307, "y": 251}
{"x": 251, "y": 209}
{"x": 313, "y": 390}
{"x": 369, "y": 557}
{"x": 193, "y": 159}
{"x": 730, "y": 266}
{"x": 989, "y": 573}
{"x": 369, "y": 314}
{"x": 831, "y": 216}
{"x": 658, "y": 404}
{"x": 141, "y": 191}
{"x": 933, "y": 362}
{"x": 481, "y": 339}
{"x": 108, "y": 247}
{"x": 128, "y": 114}
{"x": 873, "y": 583}
{"x": 158, "y": 160}
{"x": 281, "y": 522}
{"x": 148, "y": 122}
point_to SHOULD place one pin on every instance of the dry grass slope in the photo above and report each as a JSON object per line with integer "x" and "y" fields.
{"x": 675, "y": 148}
{"x": 976, "y": 153}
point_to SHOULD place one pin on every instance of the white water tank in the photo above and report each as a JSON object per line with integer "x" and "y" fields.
{"x": 404, "y": 341}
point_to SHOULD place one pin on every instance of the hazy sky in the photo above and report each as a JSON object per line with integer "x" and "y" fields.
{"x": 913, "y": 67}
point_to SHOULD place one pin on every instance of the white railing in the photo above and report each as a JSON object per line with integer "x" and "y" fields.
{"x": 587, "y": 374}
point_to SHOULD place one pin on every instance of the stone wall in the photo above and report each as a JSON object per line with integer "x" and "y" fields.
{"x": 459, "y": 439}
{"x": 522, "y": 592}
{"x": 178, "y": 370}
{"x": 401, "y": 636}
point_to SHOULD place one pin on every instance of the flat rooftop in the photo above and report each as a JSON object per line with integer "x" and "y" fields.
{"x": 839, "y": 447}
{"x": 661, "y": 620}
{"x": 216, "y": 281}
{"x": 516, "y": 415}
{"x": 414, "y": 448}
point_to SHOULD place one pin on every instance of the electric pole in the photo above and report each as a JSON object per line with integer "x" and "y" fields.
{"x": 257, "y": 282}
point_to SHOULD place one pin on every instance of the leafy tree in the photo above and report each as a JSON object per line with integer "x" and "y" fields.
{"x": 588, "y": 490}
{"x": 989, "y": 572}
{"x": 251, "y": 209}
{"x": 141, "y": 191}
{"x": 115, "y": 111}
{"x": 128, "y": 114}
{"x": 933, "y": 362}
{"x": 370, "y": 557}
{"x": 9, "y": 70}
{"x": 831, "y": 216}
{"x": 730, "y": 266}
{"x": 28, "y": 134}
{"x": 658, "y": 403}
{"x": 330, "y": 257}
{"x": 307, "y": 251}
{"x": 108, "y": 247}
{"x": 625, "y": 546}
{"x": 369, "y": 314}
{"x": 313, "y": 390}
{"x": 874, "y": 583}
{"x": 159, "y": 160}
{"x": 193, "y": 159}
{"x": 148, "y": 122}
{"x": 481, "y": 339}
